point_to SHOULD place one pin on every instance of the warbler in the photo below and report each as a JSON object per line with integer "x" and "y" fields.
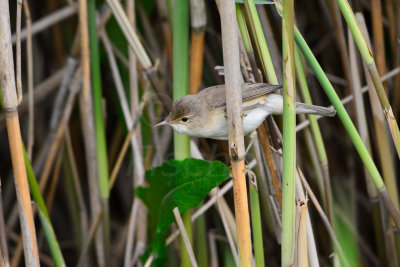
{"x": 204, "y": 114}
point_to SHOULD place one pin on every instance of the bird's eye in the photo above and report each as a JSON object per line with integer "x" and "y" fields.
{"x": 184, "y": 119}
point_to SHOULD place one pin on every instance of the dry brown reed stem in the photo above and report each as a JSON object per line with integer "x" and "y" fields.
{"x": 396, "y": 25}
{"x": 363, "y": 129}
{"x": 213, "y": 249}
{"x": 312, "y": 150}
{"x": 379, "y": 41}
{"x": 385, "y": 153}
{"x": 323, "y": 216}
{"x": 136, "y": 148}
{"x": 54, "y": 180}
{"x": 29, "y": 56}
{"x": 126, "y": 143}
{"x": 57, "y": 36}
{"x": 311, "y": 245}
{"x": 383, "y": 143}
{"x": 133, "y": 85}
{"x": 16, "y": 257}
{"x": 18, "y": 52}
{"x": 264, "y": 140}
{"x": 198, "y": 24}
{"x": 362, "y": 125}
{"x": 267, "y": 198}
{"x": 59, "y": 101}
{"x": 152, "y": 43}
{"x": 196, "y": 60}
{"x": 228, "y": 232}
{"x": 140, "y": 52}
{"x": 162, "y": 11}
{"x": 230, "y": 45}
{"x": 4, "y": 260}
{"x": 10, "y": 104}
{"x": 88, "y": 130}
{"x": 92, "y": 231}
{"x": 46, "y": 22}
{"x": 185, "y": 237}
{"x": 59, "y": 135}
{"x": 262, "y": 129}
{"x": 116, "y": 168}
{"x": 83, "y": 213}
{"x": 301, "y": 234}
{"x": 137, "y": 223}
{"x": 341, "y": 40}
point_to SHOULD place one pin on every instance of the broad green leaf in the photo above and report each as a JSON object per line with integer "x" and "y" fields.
{"x": 181, "y": 184}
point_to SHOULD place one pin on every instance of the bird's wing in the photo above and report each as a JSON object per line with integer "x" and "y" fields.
{"x": 249, "y": 92}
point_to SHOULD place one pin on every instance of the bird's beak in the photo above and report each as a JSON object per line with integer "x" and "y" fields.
{"x": 164, "y": 122}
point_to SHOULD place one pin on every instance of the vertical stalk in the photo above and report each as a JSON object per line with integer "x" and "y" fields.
{"x": 180, "y": 86}
{"x": 371, "y": 67}
{"x": 101, "y": 144}
{"x": 348, "y": 125}
{"x": 317, "y": 136}
{"x": 256, "y": 221}
{"x": 29, "y": 56}
{"x": 45, "y": 220}
{"x": 289, "y": 135}
{"x": 10, "y": 104}
{"x": 262, "y": 130}
{"x": 378, "y": 34}
{"x": 97, "y": 102}
{"x": 230, "y": 45}
{"x": 88, "y": 129}
{"x": 139, "y": 168}
{"x": 261, "y": 44}
{"x": 201, "y": 242}
{"x": 198, "y": 25}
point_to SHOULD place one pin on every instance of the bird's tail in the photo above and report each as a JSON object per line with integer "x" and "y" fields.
{"x": 302, "y": 108}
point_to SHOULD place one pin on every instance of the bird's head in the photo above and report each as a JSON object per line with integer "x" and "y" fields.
{"x": 184, "y": 116}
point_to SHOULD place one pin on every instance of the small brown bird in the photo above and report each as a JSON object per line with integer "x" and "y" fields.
{"x": 204, "y": 114}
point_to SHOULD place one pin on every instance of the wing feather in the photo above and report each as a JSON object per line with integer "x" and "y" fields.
{"x": 215, "y": 95}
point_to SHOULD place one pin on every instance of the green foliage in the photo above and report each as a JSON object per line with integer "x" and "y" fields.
{"x": 43, "y": 213}
{"x": 181, "y": 184}
{"x": 51, "y": 239}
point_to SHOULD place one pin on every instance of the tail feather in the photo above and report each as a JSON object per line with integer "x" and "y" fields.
{"x": 302, "y": 108}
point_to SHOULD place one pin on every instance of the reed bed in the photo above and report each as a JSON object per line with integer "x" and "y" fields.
{"x": 86, "y": 179}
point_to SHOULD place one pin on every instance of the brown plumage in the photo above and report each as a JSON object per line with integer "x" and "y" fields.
{"x": 203, "y": 114}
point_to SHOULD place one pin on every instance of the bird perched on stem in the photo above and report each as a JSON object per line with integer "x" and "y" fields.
{"x": 204, "y": 114}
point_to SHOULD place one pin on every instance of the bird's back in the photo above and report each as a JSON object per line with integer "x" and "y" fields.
{"x": 215, "y": 96}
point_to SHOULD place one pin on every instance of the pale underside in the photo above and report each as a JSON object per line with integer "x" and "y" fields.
{"x": 255, "y": 112}
{"x": 207, "y": 118}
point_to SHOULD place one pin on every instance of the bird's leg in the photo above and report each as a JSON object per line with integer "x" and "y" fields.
{"x": 253, "y": 136}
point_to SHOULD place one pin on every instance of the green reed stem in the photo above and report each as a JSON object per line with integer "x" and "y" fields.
{"x": 341, "y": 111}
{"x": 261, "y": 44}
{"x": 289, "y": 135}
{"x": 317, "y": 137}
{"x": 256, "y": 223}
{"x": 349, "y": 126}
{"x": 101, "y": 142}
{"x": 44, "y": 216}
{"x": 371, "y": 66}
{"x": 181, "y": 88}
